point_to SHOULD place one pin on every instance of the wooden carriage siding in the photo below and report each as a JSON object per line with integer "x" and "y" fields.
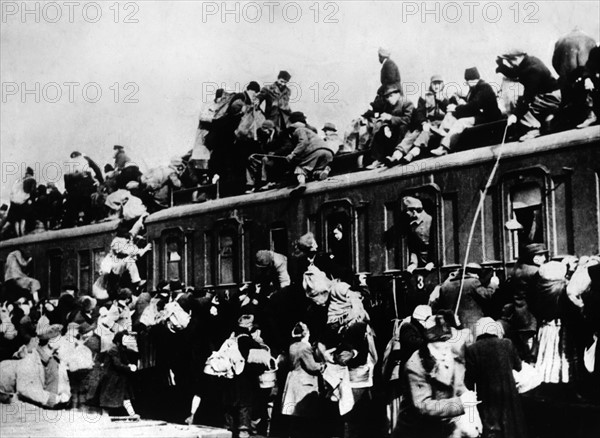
{"x": 212, "y": 244}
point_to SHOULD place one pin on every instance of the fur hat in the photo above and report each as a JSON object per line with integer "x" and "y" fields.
{"x": 253, "y": 86}
{"x": 389, "y": 89}
{"x": 284, "y": 75}
{"x": 472, "y": 74}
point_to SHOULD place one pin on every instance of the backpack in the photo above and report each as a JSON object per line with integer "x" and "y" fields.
{"x": 391, "y": 370}
{"x": 227, "y": 362}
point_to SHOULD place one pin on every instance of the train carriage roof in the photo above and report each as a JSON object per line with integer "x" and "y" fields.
{"x": 547, "y": 143}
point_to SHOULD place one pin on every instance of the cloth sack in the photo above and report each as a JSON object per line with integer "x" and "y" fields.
{"x": 227, "y": 361}
{"x": 251, "y": 121}
{"x": 589, "y": 355}
{"x": 527, "y": 379}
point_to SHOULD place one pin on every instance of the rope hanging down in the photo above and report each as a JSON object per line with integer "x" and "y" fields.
{"x": 478, "y": 211}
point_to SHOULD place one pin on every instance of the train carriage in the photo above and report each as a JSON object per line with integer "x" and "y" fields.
{"x": 549, "y": 185}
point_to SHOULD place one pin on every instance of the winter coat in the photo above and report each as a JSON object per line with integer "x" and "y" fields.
{"x": 305, "y": 143}
{"x": 390, "y": 73}
{"x": 429, "y": 404}
{"x": 473, "y": 302}
{"x": 27, "y": 377}
{"x": 277, "y": 107}
{"x": 489, "y": 365}
{"x": 301, "y": 392}
{"x": 481, "y": 104}
{"x": 115, "y": 386}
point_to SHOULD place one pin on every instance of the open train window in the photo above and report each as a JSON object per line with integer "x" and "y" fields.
{"x": 279, "y": 238}
{"x": 174, "y": 258}
{"x": 418, "y": 222}
{"x": 337, "y": 231}
{"x": 55, "y": 258}
{"x": 526, "y": 223}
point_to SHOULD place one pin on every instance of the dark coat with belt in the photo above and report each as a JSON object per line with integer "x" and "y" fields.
{"x": 390, "y": 73}
{"x": 481, "y": 104}
{"x": 535, "y": 77}
{"x": 490, "y": 362}
{"x": 115, "y": 386}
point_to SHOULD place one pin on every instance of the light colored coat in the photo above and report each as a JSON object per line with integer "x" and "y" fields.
{"x": 301, "y": 392}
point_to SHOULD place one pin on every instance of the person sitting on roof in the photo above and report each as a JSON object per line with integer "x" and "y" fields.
{"x": 391, "y": 125}
{"x": 311, "y": 156}
{"x": 480, "y": 107}
{"x": 158, "y": 183}
{"x": 541, "y": 95}
{"x": 126, "y": 170}
{"x": 264, "y": 169}
{"x": 430, "y": 112}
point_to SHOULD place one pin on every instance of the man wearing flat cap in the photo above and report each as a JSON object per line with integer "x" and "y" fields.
{"x": 391, "y": 126}
{"x": 541, "y": 94}
{"x": 430, "y": 111}
{"x": 480, "y": 107}
{"x": 418, "y": 233}
{"x": 311, "y": 156}
{"x": 277, "y": 100}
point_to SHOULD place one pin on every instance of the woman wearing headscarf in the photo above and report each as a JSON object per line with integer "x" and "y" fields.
{"x": 435, "y": 395}
{"x": 301, "y": 391}
{"x": 490, "y": 362}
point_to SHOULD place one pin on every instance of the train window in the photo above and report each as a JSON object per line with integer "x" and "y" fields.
{"x": 208, "y": 259}
{"x": 174, "y": 258}
{"x": 279, "y": 238}
{"x": 339, "y": 238}
{"x": 418, "y": 222}
{"x": 527, "y": 217}
{"x": 55, "y": 258}
{"x": 337, "y": 231}
{"x": 99, "y": 254}
{"x": 226, "y": 255}
{"x": 84, "y": 269}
